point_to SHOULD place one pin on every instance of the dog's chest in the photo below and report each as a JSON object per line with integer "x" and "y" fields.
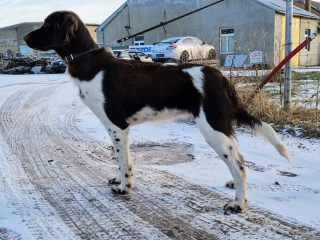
{"x": 92, "y": 95}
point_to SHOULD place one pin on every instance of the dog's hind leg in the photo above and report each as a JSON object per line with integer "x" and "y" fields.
{"x": 121, "y": 147}
{"x": 228, "y": 152}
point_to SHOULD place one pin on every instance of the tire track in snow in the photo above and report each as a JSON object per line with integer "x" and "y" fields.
{"x": 43, "y": 141}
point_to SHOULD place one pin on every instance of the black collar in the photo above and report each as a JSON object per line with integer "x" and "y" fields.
{"x": 71, "y": 57}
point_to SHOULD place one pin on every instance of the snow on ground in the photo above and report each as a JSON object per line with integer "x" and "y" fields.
{"x": 297, "y": 196}
{"x": 240, "y": 72}
{"x": 306, "y": 69}
{"x": 245, "y": 73}
{"x": 15, "y": 203}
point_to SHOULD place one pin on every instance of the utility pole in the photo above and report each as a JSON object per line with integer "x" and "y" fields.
{"x": 288, "y": 49}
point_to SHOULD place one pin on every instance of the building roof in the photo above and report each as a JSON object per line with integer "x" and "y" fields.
{"x": 302, "y": 5}
{"x": 23, "y": 23}
{"x": 280, "y": 7}
{"x": 38, "y": 23}
{"x": 109, "y": 19}
{"x": 315, "y": 4}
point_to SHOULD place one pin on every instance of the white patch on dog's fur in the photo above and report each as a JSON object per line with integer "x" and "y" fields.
{"x": 93, "y": 95}
{"x": 228, "y": 152}
{"x": 271, "y": 136}
{"x": 170, "y": 64}
{"x": 147, "y": 114}
{"x": 197, "y": 77}
{"x": 94, "y": 99}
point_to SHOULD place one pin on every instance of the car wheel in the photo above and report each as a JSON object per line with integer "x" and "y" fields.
{"x": 212, "y": 54}
{"x": 184, "y": 57}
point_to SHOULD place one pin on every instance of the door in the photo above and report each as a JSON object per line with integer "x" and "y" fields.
{"x": 187, "y": 45}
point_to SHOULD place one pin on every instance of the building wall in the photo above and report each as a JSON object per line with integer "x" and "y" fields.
{"x": 11, "y": 38}
{"x": 312, "y": 57}
{"x": 303, "y": 58}
{"x": 115, "y": 29}
{"x": 92, "y": 32}
{"x": 280, "y": 38}
{"x": 252, "y": 31}
{"x": 252, "y": 22}
{"x": 8, "y": 40}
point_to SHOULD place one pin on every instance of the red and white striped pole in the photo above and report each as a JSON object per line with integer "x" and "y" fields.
{"x": 282, "y": 63}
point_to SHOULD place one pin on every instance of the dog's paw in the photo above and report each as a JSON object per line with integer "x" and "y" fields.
{"x": 234, "y": 207}
{"x": 124, "y": 190}
{"x": 230, "y": 184}
{"x": 114, "y": 181}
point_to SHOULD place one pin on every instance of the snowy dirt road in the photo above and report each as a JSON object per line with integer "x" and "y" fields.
{"x": 53, "y": 180}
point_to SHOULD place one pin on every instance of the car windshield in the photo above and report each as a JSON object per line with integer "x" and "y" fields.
{"x": 171, "y": 40}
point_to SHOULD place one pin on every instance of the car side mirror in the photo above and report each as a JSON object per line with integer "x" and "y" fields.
{"x": 136, "y": 58}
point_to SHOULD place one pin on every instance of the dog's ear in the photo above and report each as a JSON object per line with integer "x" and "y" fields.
{"x": 71, "y": 23}
{"x": 65, "y": 28}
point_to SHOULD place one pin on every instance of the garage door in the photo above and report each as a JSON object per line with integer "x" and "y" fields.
{"x": 25, "y": 50}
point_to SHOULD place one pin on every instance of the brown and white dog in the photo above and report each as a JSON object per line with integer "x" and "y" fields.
{"x": 124, "y": 93}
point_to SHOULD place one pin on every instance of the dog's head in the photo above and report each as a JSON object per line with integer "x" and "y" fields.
{"x": 58, "y": 32}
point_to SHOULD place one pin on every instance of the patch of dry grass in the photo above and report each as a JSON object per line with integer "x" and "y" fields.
{"x": 300, "y": 121}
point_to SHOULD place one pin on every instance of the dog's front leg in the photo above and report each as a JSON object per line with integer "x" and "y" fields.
{"x": 121, "y": 147}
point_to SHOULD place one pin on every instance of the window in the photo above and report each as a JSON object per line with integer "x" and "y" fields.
{"x": 187, "y": 41}
{"x": 197, "y": 41}
{"x": 171, "y": 40}
{"x": 142, "y": 55}
{"x": 138, "y": 40}
{"x": 125, "y": 55}
{"x": 307, "y": 34}
{"x": 133, "y": 55}
{"x": 227, "y": 40}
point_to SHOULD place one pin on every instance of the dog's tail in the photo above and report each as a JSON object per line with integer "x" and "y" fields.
{"x": 242, "y": 117}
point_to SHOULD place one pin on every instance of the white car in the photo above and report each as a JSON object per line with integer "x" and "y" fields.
{"x": 182, "y": 49}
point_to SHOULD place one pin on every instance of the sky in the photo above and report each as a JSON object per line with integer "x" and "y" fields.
{"x": 90, "y": 11}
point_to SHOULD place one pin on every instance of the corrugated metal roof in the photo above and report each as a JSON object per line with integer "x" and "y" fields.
{"x": 315, "y": 4}
{"x": 38, "y": 23}
{"x": 280, "y": 7}
{"x": 109, "y": 19}
{"x": 23, "y": 23}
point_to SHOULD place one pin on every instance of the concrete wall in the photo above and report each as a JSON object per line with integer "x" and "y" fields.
{"x": 115, "y": 29}
{"x": 253, "y": 23}
{"x": 146, "y": 14}
{"x": 12, "y": 37}
{"x": 8, "y": 40}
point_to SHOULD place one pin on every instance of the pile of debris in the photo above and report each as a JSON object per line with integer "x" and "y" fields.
{"x": 23, "y": 65}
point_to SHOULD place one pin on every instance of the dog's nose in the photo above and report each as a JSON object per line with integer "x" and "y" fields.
{"x": 25, "y": 38}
